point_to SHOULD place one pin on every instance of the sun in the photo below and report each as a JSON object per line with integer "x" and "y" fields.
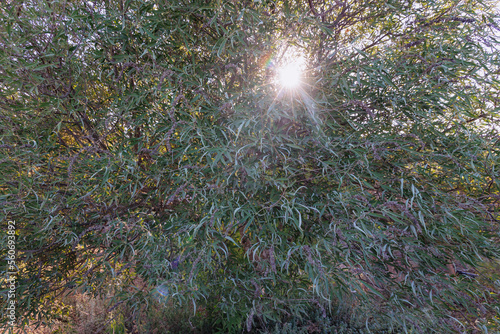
{"x": 290, "y": 74}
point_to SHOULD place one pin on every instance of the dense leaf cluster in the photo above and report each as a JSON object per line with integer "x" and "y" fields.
{"x": 149, "y": 141}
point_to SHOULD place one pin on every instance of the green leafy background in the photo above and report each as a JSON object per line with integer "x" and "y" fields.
{"x": 149, "y": 141}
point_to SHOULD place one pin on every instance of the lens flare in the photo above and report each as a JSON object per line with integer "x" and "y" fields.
{"x": 162, "y": 290}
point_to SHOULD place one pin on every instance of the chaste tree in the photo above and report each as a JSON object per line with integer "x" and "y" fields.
{"x": 254, "y": 158}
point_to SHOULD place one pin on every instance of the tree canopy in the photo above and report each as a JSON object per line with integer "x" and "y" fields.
{"x": 152, "y": 140}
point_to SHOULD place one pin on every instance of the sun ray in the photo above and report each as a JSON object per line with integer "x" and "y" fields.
{"x": 289, "y": 75}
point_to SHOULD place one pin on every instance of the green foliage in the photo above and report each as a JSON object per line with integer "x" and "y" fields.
{"x": 147, "y": 141}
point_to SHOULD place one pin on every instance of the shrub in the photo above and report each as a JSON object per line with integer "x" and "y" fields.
{"x": 151, "y": 141}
